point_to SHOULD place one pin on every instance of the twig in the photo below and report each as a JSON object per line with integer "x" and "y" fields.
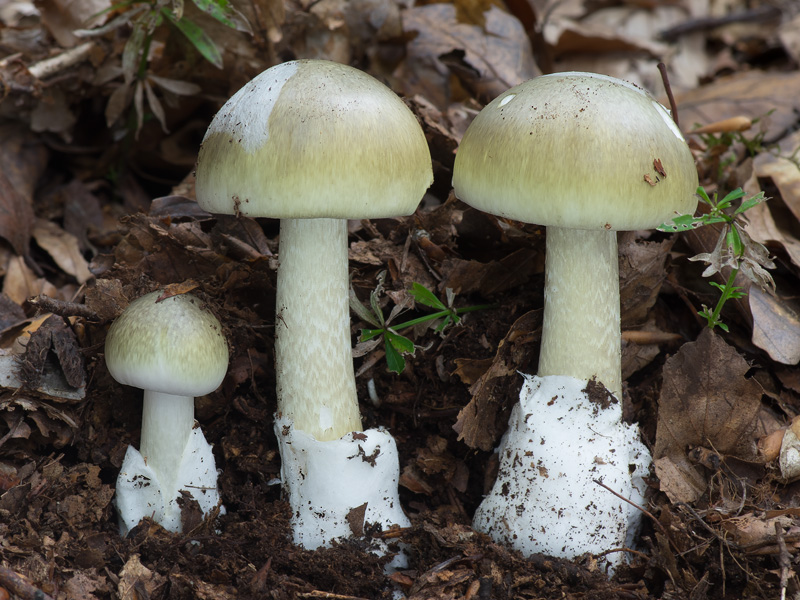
{"x": 69, "y": 58}
{"x": 784, "y": 559}
{"x": 327, "y": 596}
{"x": 19, "y": 585}
{"x": 662, "y": 68}
{"x": 636, "y": 506}
{"x": 761, "y": 13}
{"x": 63, "y": 308}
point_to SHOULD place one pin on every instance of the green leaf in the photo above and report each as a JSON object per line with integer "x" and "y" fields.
{"x": 735, "y": 241}
{"x": 199, "y": 38}
{"x": 681, "y": 223}
{"x": 400, "y": 342}
{"x": 750, "y": 203}
{"x": 424, "y": 296}
{"x": 394, "y": 359}
{"x": 733, "y": 195}
{"x": 225, "y": 13}
{"x": 446, "y": 322}
{"x": 703, "y": 195}
{"x": 368, "y": 334}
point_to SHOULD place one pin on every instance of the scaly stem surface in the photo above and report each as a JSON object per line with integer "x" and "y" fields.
{"x": 581, "y": 330}
{"x": 313, "y": 360}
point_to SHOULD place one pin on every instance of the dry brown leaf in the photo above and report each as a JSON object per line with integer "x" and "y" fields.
{"x": 706, "y": 401}
{"x": 641, "y": 273}
{"x": 20, "y": 283}
{"x": 640, "y": 349}
{"x": 679, "y": 480}
{"x": 135, "y": 576}
{"x": 62, "y": 17}
{"x": 64, "y": 249}
{"x": 750, "y": 93}
{"x": 776, "y": 326}
{"x": 481, "y": 422}
{"x": 82, "y": 586}
{"x": 56, "y": 336}
{"x": 780, "y": 164}
{"x": 21, "y": 162}
{"x": 488, "y": 278}
{"x": 487, "y": 59}
{"x": 763, "y": 227}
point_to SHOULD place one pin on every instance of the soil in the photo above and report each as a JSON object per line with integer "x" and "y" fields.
{"x": 97, "y": 209}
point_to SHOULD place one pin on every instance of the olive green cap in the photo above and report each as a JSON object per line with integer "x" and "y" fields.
{"x": 313, "y": 139}
{"x": 577, "y": 150}
{"x": 174, "y": 346}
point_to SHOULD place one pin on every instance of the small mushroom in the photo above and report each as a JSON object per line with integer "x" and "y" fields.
{"x": 174, "y": 350}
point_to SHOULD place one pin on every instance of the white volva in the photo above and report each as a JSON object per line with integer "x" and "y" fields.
{"x": 545, "y": 499}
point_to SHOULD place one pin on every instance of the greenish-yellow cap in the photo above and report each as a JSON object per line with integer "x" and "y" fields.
{"x": 312, "y": 139}
{"x": 577, "y": 150}
{"x": 174, "y": 346}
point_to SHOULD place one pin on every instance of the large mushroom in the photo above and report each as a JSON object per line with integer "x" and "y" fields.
{"x": 586, "y": 155}
{"x": 174, "y": 349}
{"x": 315, "y": 143}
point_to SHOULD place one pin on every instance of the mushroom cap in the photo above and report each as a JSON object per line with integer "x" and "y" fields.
{"x": 174, "y": 346}
{"x": 313, "y": 139}
{"x": 575, "y": 150}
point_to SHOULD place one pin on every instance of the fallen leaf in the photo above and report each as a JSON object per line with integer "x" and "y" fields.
{"x": 679, "y": 480}
{"x": 497, "y": 276}
{"x": 16, "y": 216}
{"x": 56, "y": 336}
{"x": 776, "y": 326}
{"x": 82, "y": 586}
{"x": 641, "y": 273}
{"x": 753, "y": 94}
{"x": 488, "y": 59}
{"x": 780, "y": 164}
{"x": 135, "y": 576}
{"x": 706, "y": 401}
{"x": 20, "y": 283}
{"x": 481, "y": 422}
{"x": 64, "y": 249}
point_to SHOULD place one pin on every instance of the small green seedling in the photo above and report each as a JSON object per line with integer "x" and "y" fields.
{"x": 735, "y": 248}
{"x": 395, "y": 344}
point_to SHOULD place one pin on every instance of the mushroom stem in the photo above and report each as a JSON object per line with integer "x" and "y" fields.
{"x": 167, "y": 422}
{"x": 313, "y": 362}
{"x": 581, "y": 330}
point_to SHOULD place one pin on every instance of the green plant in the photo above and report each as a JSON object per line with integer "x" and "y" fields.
{"x": 395, "y": 344}
{"x": 735, "y": 249}
{"x": 145, "y": 17}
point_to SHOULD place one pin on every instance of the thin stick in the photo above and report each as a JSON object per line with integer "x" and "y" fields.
{"x": 69, "y": 58}
{"x": 665, "y": 78}
{"x": 784, "y": 559}
{"x": 641, "y": 508}
{"x": 20, "y": 585}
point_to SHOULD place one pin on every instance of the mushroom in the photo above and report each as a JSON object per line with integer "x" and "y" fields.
{"x": 174, "y": 350}
{"x": 315, "y": 143}
{"x": 586, "y": 155}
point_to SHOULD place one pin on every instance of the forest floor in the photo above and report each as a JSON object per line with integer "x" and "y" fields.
{"x": 101, "y": 118}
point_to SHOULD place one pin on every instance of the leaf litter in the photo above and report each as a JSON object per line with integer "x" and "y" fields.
{"x": 94, "y": 215}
